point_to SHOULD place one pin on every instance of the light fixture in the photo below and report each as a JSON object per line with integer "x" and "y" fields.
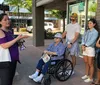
{"x": 43, "y": 2}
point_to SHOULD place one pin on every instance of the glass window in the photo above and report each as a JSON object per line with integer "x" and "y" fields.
{"x": 79, "y": 8}
{"x": 50, "y": 24}
{"x": 92, "y": 6}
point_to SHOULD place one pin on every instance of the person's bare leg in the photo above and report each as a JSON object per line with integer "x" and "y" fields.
{"x": 91, "y": 65}
{"x": 98, "y": 77}
{"x": 86, "y": 65}
{"x": 73, "y": 61}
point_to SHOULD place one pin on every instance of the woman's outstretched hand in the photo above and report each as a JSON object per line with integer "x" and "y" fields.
{"x": 45, "y": 51}
{"x": 22, "y": 36}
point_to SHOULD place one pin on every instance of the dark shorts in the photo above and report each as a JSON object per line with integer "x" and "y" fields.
{"x": 98, "y": 61}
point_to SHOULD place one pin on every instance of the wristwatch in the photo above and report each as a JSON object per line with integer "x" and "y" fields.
{"x": 71, "y": 43}
{"x": 84, "y": 45}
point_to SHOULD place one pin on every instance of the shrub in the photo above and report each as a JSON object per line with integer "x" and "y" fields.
{"x": 49, "y": 35}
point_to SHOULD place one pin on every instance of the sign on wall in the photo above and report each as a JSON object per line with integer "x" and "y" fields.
{"x": 81, "y": 7}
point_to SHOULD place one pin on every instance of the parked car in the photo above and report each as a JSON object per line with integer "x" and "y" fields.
{"x": 48, "y": 26}
{"x": 29, "y": 28}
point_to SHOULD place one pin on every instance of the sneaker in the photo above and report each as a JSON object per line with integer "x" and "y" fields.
{"x": 38, "y": 79}
{"x": 84, "y": 77}
{"x": 32, "y": 76}
{"x": 88, "y": 80}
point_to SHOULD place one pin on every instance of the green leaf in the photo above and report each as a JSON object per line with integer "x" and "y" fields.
{"x": 58, "y": 14}
{"x": 93, "y": 7}
{"x": 21, "y": 3}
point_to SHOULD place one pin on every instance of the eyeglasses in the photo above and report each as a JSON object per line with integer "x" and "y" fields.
{"x": 72, "y": 20}
{"x": 56, "y": 37}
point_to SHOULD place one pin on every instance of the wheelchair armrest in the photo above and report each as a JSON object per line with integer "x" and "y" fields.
{"x": 50, "y": 55}
{"x": 54, "y": 62}
{"x": 54, "y": 55}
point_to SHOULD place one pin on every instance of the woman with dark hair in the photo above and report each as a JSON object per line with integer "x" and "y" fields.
{"x": 88, "y": 47}
{"x": 7, "y": 41}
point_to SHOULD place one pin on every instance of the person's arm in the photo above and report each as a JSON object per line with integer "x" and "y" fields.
{"x": 47, "y": 51}
{"x": 98, "y": 43}
{"x": 49, "y": 47}
{"x": 83, "y": 36}
{"x": 64, "y": 34}
{"x": 50, "y": 53}
{"x": 59, "y": 52}
{"x": 92, "y": 40}
{"x": 10, "y": 43}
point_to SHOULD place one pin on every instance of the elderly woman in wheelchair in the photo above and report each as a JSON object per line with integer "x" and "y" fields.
{"x": 56, "y": 50}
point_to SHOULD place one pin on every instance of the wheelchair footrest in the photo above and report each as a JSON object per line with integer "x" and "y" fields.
{"x": 46, "y": 80}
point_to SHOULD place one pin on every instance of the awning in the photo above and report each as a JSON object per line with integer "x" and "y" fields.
{"x": 21, "y": 10}
{"x": 43, "y": 2}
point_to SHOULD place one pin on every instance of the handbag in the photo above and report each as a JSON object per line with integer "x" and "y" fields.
{"x": 4, "y": 55}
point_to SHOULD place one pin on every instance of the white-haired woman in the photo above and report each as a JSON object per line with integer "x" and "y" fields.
{"x": 57, "y": 49}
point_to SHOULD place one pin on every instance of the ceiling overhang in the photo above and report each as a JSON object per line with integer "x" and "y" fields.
{"x": 52, "y": 4}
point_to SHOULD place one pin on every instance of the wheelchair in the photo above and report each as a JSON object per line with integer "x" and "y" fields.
{"x": 59, "y": 69}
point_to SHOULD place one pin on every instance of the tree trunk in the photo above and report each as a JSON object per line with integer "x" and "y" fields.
{"x": 18, "y": 27}
{"x": 64, "y": 16}
{"x": 63, "y": 24}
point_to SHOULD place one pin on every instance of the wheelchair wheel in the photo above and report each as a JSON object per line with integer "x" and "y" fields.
{"x": 46, "y": 80}
{"x": 64, "y": 70}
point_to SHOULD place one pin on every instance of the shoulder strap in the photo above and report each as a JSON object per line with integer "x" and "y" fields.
{"x": 3, "y": 32}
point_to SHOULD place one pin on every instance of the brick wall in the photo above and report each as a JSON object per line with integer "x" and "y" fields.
{"x": 98, "y": 14}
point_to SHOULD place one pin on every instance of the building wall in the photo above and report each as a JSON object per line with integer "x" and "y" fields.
{"x": 98, "y": 14}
